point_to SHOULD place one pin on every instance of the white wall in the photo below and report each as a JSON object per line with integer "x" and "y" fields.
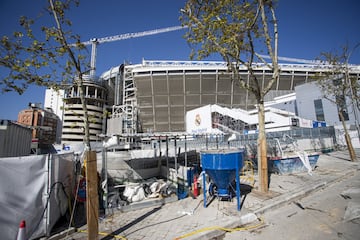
{"x": 305, "y": 96}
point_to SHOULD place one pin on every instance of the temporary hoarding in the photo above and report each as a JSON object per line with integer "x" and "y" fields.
{"x": 35, "y": 189}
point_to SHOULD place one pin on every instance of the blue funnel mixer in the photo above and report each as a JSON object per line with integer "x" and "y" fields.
{"x": 222, "y": 166}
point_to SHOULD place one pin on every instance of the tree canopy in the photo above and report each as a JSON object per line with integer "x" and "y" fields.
{"x": 44, "y": 51}
{"x": 241, "y": 31}
{"x": 340, "y": 88}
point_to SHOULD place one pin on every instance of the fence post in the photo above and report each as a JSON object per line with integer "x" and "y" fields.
{"x": 167, "y": 157}
{"x": 49, "y": 183}
{"x": 206, "y": 142}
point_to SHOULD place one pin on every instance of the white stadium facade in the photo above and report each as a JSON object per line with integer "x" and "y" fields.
{"x": 155, "y": 95}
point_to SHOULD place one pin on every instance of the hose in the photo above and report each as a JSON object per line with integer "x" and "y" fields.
{"x": 222, "y": 229}
{"x": 106, "y": 234}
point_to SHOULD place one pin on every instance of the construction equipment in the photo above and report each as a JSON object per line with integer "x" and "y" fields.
{"x": 95, "y": 41}
{"x": 297, "y": 60}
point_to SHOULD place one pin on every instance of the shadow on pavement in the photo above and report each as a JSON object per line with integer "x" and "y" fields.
{"x": 127, "y": 226}
{"x": 245, "y": 190}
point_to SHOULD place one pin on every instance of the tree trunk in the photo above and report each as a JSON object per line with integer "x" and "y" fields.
{"x": 92, "y": 201}
{"x": 347, "y": 138}
{"x": 262, "y": 151}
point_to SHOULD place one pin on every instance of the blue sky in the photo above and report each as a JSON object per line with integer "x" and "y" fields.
{"x": 306, "y": 28}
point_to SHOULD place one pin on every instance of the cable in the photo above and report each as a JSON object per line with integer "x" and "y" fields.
{"x": 48, "y": 200}
{"x": 222, "y": 229}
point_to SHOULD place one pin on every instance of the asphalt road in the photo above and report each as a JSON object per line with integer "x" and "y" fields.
{"x": 317, "y": 216}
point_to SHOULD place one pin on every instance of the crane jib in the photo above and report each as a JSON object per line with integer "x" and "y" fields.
{"x": 133, "y": 35}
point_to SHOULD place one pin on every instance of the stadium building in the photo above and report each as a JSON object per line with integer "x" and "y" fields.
{"x": 154, "y": 96}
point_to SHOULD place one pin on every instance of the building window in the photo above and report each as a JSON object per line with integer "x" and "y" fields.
{"x": 319, "y": 110}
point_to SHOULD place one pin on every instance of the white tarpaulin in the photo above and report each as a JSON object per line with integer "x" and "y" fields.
{"x": 25, "y": 185}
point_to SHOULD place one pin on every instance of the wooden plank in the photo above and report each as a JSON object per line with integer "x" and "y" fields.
{"x": 92, "y": 200}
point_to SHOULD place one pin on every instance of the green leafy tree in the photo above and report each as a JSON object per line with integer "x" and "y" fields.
{"x": 340, "y": 88}
{"x": 238, "y": 30}
{"x": 49, "y": 56}
{"x": 52, "y": 56}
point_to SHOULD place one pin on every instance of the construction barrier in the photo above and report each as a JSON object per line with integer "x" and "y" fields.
{"x": 22, "y": 231}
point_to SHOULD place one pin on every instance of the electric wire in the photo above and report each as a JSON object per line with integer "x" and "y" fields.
{"x": 48, "y": 200}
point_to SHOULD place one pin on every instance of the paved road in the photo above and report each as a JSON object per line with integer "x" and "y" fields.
{"x": 317, "y": 216}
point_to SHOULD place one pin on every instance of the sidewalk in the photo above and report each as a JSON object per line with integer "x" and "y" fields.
{"x": 187, "y": 218}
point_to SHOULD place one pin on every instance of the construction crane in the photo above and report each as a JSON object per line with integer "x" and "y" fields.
{"x": 95, "y": 41}
{"x": 297, "y": 60}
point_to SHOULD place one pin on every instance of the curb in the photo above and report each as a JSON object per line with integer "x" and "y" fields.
{"x": 284, "y": 199}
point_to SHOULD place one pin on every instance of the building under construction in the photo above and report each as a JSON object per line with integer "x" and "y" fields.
{"x": 98, "y": 97}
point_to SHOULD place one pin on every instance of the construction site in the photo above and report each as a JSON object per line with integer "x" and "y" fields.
{"x": 175, "y": 133}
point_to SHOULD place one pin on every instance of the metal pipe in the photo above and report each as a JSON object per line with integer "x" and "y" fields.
{"x": 185, "y": 147}
{"x": 206, "y": 142}
{"x": 106, "y": 183}
{"x": 167, "y": 157}
{"x": 94, "y": 42}
{"x": 238, "y": 193}
{"x": 204, "y": 186}
{"x": 175, "y": 154}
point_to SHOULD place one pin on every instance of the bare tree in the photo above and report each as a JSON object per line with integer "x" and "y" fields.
{"x": 337, "y": 86}
{"x": 238, "y": 30}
